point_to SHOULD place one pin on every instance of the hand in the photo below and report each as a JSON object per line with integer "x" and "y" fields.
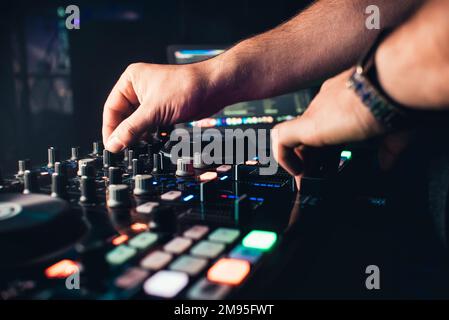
{"x": 149, "y": 95}
{"x": 336, "y": 116}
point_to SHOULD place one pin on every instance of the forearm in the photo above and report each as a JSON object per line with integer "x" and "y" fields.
{"x": 413, "y": 63}
{"x": 316, "y": 44}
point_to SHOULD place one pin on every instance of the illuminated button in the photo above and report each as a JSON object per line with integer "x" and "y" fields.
{"x": 225, "y": 235}
{"x": 196, "y": 232}
{"x": 252, "y": 163}
{"x": 120, "y": 255}
{"x": 62, "y": 269}
{"x": 139, "y": 227}
{"x": 143, "y": 240}
{"x": 119, "y": 239}
{"x": 189, "y": 265}
{"x": 223, "y": 168}
{"x": 131, "y": 278}
{"x": 206, "y": 290}
{"x": 228, "y": 271}
{"x": 171, "y": 195}
{"x": 249, "y": 254}
{"x": 147, "y": 207}
{"x": 178, "y": 245}
{"x": 208, "y": 249}
{"x": 207, "y": 176}
{"x": 258, "y": 239}
{"x": 156, "y": 260}
{"x": 166, "y": 284}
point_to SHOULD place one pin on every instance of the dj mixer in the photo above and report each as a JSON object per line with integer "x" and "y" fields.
{"x": 136, "y": 226}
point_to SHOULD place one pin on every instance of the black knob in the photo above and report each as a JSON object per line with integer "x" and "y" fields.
{"x": 97, "y": 148}
{"x": 118, "y": 196}
{"x": 115, "y": 175}
{"x": 108, "y": 159}
{"x": 157, "y": 163}
{"x": 184, "y": 168}
{"x": 30, "y": 181}
{"x": 88, "y": 190}
{"x": 88, "y": 162}
{"x": 142, "y": 184}
{"x": 61, "y": 168}
{"x": 137, "y": 167}
{"x": 130, "y": 160}
{"x": 75, "y": 153}
{"x": 52, "y": 157}
{"x": 58, "y": 186}
{"x": 23, "y": 166}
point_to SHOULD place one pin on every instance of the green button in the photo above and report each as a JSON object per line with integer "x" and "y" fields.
{"x": 189, "y": 265}
{"x": 207, "y": 249}
{"x": 120, "y": 254}
{"x": 225, "y": 235}
{"x": 143, "y": 240}
{"x": 258, "y": 239}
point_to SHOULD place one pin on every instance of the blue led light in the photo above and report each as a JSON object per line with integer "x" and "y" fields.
{"x": 223, "y": 178}
{"x": 154, "y": 182}
{"x": 189, "y": 197}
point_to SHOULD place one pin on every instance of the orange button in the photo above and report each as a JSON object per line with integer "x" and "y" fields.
{"x": 62, "y": 269}
{"x": 206, "y": 176}
{"x": 229, "y": 271}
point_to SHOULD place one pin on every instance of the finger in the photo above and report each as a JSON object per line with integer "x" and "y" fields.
{"x": 119, "y": 105}
{"x": 128, "y": 131}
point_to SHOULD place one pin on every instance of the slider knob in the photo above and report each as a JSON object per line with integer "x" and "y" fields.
{"x": 74, "y": 153}
{"x": 115, "y": 175}
{"x": 142, "y": 184}
{"x": 108, "y": 159}
{"x": 23, "y": 166}
{"x": 58, "y": 186}
{"x": 52, "y": 157}
{"x": 88, "y": 190}
{"x": 118, "y": 196}
{"x": 184, "y": 168}
{"x": 157, "y": 163}
{"x": 31, "y": 184}
{"x": 97, "y": 148}
{"x": 137, "y": 167}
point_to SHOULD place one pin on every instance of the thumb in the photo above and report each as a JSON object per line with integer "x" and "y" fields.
{"x": 129, "y": 130}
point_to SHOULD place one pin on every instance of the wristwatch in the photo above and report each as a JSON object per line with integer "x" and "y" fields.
{"x": 364, "y": 82}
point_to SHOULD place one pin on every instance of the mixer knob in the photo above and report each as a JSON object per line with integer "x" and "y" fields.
{"x": 157, "y": 163}
{"x": 58, "y": 186}
{"x": 52, "y": 157}
{"x": 130, "y": 160}
{"x": 97, "y": 148}
{"x": 88, "y": 190}
{"x": 31, "y": 183}
{"x": 89, "y": 163}
{"x": 198, "y": 161}
{"x": 23, "y": 166}
{"x": 125, "y": 155}
{"x": 118, "y": 196}
{"x": 184, "y": 168}
{"x": 142, "y": 184}
{"x": 108, "y": 159}
{"x": 115, "y": 175}
{"x": 60, "y": 168}
{"x": 74, "y": 153}
{"x": 137, "y": 167}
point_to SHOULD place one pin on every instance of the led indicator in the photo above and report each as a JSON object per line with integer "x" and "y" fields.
{"x": 258, "y": 239}
{"x": 187, "y": 198}
{"x": 119, "y": 239}
{"x": 346, "y": 154}
{"x": 62, "y": 269}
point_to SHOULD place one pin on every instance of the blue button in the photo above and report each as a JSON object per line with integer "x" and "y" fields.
{"x": 249, "y": 254}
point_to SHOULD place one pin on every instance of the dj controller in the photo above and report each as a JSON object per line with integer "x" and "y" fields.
{"x": 136, "y": 226}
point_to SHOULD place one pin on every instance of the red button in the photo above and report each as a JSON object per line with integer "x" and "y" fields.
{"x": 229, "y": 271}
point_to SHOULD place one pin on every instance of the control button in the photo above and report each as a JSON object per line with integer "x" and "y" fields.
{"x": 225, "y": 235}
{"x": 207, "y": 249}
{"x": 166, "y": 284}
{"x": 258, "y": 239}
{"x": 142, "y": 184}
{"x": 130, "y": 160}
{"x": 207, "y": 176}
{"x": 23, "y": 166}
{"x": 118, "y": 240}
{"x": 58, "y": 186}
{"x": 184, "y": 168}
{"x": 118, "y": 196}
{"x": 229, "y": 271}
{"x": 156, "y": 260}
{"x": 157, "y": 163}
{"x": 30, "y": 182}
{"x": 120, "y": 254}
{"x": 97, "y": 148}
{"x": 188, "y": 264}
{"x": 224, "y": 168}
{"x": 136, "y": 167}
{"x": 108, "y": 159}
{"x": 88, "y": 162}
{"x": 74, "y": 153}
{"x": 147, "y": 207}
{"x": 52, "y": 157}
{"x": 198, "y": 162}
{"x": 143, "y": 241}
{"x": 60, "y": 168}
{"x": 196, "y": 232}
{"x": 249, "y": 254}
{"x": 88, "y": 190}
{"x": 62, "y": 269}
{"x": 131, "y": 278}
{"x": 178, "y": 245}
{"x": 115, "y": 175}
{"x": 171, "y": 195}
{"x": 206, "y": 290}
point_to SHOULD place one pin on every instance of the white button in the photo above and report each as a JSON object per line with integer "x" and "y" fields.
{"x": 171, "y": 195}
{"x": 156, "y": 260}
{"x": 223, "y": 168}
{"x": 147, "y": 207}
{"x": 178, "y": 245}
{"x": 196, "y": 232}
{"x": 166, "y": 284}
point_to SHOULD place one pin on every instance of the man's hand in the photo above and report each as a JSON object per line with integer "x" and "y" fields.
{"x": 336, "y": 116}
{"x": 148, "y": 95}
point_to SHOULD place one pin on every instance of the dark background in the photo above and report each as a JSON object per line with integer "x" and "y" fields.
{"x": 54, "y": 81}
